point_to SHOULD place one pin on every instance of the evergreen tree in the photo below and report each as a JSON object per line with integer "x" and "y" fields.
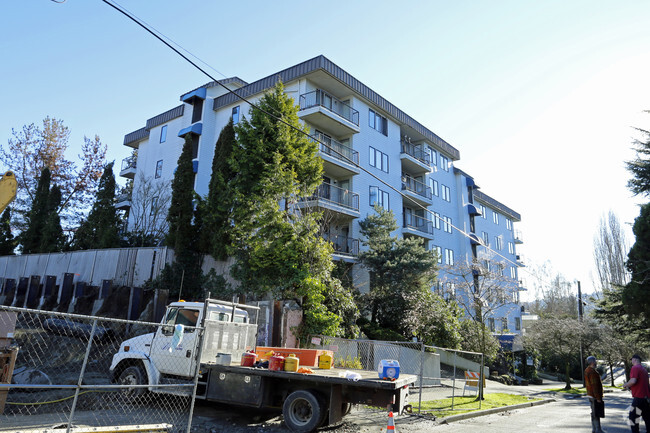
{"x": 7, "y": 241}
{"x": 30, "y": 239}
{"x": 216, "y": 240}
{"x": 101, "y": 229}
{"x": 52, "y": 238}
{"x": 640, "y": 166}
{"x": 635, "y": 294}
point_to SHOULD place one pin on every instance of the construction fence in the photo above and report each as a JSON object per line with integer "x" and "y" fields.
{"x": 67, "y": 375}
{"x": 444, "y": 375}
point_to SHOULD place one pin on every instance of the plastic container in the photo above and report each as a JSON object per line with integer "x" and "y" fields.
{"x": 325, "y": 361}
{"x": 388, "y": 369}
{"x": 248, "y": 359}
{"x": 291, "y": 363}
{"x": 276, "y": 363}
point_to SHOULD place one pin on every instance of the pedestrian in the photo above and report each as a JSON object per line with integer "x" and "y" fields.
{"x": 638, "y": 385}
{"x": 595, "y": 393}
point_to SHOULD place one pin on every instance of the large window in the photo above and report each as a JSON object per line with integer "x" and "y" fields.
{"x": 378, "y": 159}
{"x": 159, "y": 169}
{"x": 380, "y": 197}
{"x": 378, "y": 122}
{"x": 449, "y": 257}
{"x": 444, "y": 163}
{"x": 235, "y": 115}
{"x": 446, "y": 193}
{"x": 163, "y": 134}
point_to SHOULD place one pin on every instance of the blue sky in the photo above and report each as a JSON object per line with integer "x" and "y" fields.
{"x": 539, "y": 97}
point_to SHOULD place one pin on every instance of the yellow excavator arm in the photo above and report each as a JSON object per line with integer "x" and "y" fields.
{"x": 8, "y": 185}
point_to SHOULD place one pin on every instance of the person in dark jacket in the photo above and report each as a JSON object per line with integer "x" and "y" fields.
{"x": 594, "y": 391}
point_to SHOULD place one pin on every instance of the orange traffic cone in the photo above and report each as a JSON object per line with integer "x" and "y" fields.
{"x": 391, "y": 423}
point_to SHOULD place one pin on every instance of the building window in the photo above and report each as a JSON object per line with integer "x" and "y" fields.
{"x": 449, "y": 257}
{"x": 504, "y": 323}
{"x": 159, "y": 169}
{"x": 447, "y": 224}
{"x": 434, "y": 157}
{"x": 483, "y": 211}
{"x": 235, "y": 115}
{"x": 446, "y": 193}
{"x": 513, "y": 272}
{"x": 438, "y": 251}
{"x": 436, "y": 220}
{"x": 486, "y": 239}
{"x": 498, "y": 243}
{"x": 495, "y": 218}
{"x": 444, "y": 163}
{"x": 491, "y": 324}
{"x": 433, "y": 184}
{"x": 197, "y": 110}
{"x": 378, "y": 159}
{"x": 377, "y": 196}
{"x": 154, "y": 206}
{"x": 508, "y": 223}
{"x": 195, "y": 146}
{"x": 378, "y": 122}
{"x": 163, "y": 134}
{"x": 517, "y": 323}
{"x": 511, "y": 248}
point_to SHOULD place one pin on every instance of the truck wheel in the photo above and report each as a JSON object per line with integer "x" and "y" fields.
{"x": 132, "y": 375}
{"x": 302, "y": 411}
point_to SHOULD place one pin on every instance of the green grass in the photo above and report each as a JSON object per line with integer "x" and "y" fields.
{"x": 572, "y": 391}
{"x": 442, "y": 408}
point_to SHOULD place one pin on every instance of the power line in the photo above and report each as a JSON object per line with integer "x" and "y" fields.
{"x": 162, "y": 38}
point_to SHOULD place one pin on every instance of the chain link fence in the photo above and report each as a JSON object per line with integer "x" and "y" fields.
{"x": 444, "y": 375}
{"x": 72, "y": 372}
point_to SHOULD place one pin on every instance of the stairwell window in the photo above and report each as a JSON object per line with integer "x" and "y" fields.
{"x": 378, "y": 122}
{"x": 163, "y": 134}
{"x": 159, "y": 169}
{"x": 378, "y": 159}
{"x": 235, "y": 115}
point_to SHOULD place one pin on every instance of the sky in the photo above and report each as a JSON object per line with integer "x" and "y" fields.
{"x": 540, "y": 98}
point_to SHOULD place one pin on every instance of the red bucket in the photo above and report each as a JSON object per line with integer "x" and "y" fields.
{"x": 248, "y": 359}
{"x": 276, "y": 363}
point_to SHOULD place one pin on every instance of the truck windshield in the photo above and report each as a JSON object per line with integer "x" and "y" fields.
{"x": 180, "y": 316}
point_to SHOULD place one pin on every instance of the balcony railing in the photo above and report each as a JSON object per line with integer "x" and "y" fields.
{"x": 417, "y": 187}
{"x": 343, "y": 244}
{"x": 418, "y": 223}
{"x": 129, "y": 162}
{"x": 338, "y": 196}
{"x": 329, "y": 102}
{"x": 417, "y": 152}
{"x": 335, "y": 149}
{"x": 518, "y": 237}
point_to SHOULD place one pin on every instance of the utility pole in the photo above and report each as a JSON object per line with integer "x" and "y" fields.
{"x": 580, "y": 313}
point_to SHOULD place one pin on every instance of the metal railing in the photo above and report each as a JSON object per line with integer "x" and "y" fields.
{"x": 343, "y": 244}
{"x": 518, "y": 236}
{"x": 335, "y": 195}
{"x": 417, "y": 152}
{"x": 337, "y": 150}
{"x": 129, "y": 162}
{"x": 417, "y": 187}
{"x": 418, "y": 223}
{"x": 65, "y": 373}
{"x": 329, "y": 102}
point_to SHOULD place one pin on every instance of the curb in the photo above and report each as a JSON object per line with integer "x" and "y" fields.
{"x": 478, "y": 413}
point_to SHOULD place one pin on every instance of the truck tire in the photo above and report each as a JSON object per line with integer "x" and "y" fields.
{"x": 302, "y": 411}
{"x": 132, "y": 375}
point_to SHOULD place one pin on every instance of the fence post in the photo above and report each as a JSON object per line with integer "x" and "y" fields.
{"x": 198, "y": 350}
{"x": 421, "y": 376}
{"x": 481, "y": 378}
{"x": 453, "y": 383}
{"x": 81, "y": 375}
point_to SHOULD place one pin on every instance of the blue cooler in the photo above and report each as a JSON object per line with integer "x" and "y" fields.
{"x": 388, "y": 369}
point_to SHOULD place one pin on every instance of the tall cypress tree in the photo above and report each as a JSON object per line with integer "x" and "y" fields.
{"x": 7, "y": 241}
{"x": 30, "y": 239}
{"x": 216, "y": 240}
{"x": 52, "y": 237}
{"x": 101, "y": 229}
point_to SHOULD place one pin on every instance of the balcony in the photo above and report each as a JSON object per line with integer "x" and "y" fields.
{"x": 339, "y": 160}
{"x": 123, "y": 201}
{"x": 414, "y": 158}
{"x": 328, "y": 113}
{"x": 418, "y": 226}
{"x": 129, "y": 167}
{"x": 343, "y": 245}
{"x": 417, "y": 191}
{"x": 518, "y": 237}
{"x": 521, "y": 260}
{"x": 333, "y": 198}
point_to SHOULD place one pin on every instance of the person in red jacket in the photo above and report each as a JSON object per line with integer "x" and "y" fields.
{"x": 638, "y": 385}
{"x": 594, "y": 391}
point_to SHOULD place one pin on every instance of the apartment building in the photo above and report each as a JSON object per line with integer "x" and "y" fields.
{"x": 373, "y": 152}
